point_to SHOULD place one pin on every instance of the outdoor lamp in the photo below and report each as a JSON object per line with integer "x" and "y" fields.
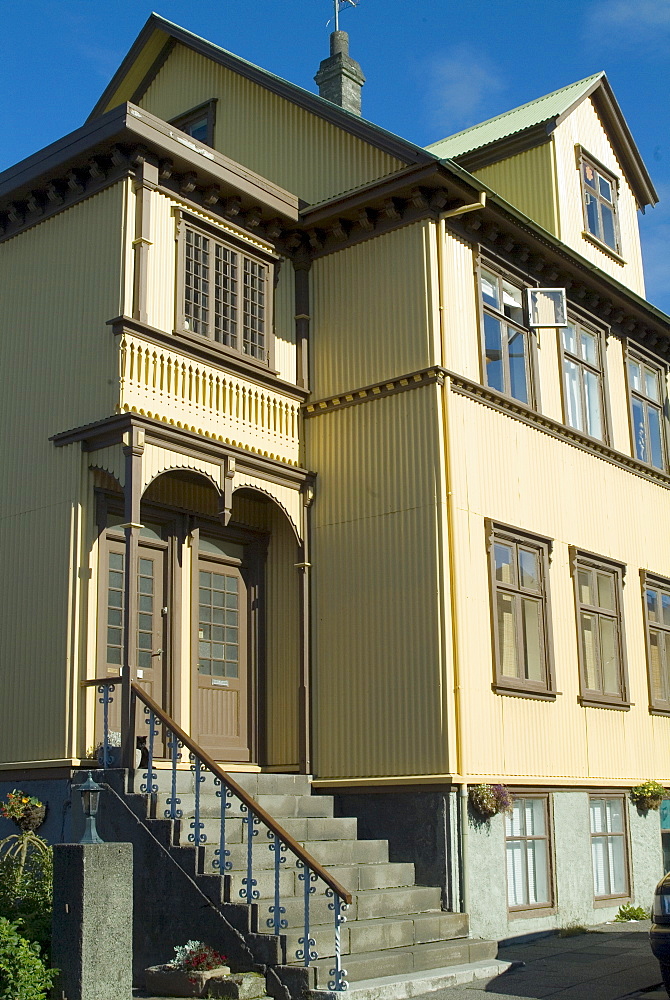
{"x": 90, "y": 794}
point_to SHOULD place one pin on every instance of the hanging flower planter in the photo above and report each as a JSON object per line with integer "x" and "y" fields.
{"x": 648, "y": 795}
{"x": 489, "y": 800}
{"x": 25, "y": 810}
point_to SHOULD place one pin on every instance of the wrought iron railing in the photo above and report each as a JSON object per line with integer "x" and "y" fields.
{"x": 253, "y": 815}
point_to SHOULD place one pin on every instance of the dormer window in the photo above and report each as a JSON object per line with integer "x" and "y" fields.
{"x": 198, "y": 122}
{"x": 599, "y": 192}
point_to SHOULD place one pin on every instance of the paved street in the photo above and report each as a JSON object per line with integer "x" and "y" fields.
{"x": 607, "y": 963}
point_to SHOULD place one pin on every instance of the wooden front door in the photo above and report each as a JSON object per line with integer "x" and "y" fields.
{"x": 151, "y": 645}
{"x": 221, "y": 676}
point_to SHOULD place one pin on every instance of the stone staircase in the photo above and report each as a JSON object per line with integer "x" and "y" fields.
{"x": 393, "y": 926}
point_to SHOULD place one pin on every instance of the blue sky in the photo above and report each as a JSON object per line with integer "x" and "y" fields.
{"x": 433, "y": 67}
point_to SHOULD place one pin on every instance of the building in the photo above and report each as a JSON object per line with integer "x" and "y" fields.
{"x": 285, "y": 377}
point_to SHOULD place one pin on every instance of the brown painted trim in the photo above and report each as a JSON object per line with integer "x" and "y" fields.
{"x": 503, "y": 684}
{"x": 611, "y": 900}
{"x": 591, "y": 697}
{"x": 110, "y": 431}
{"x": 390, "y": 387}
{"x": 516, "y": 410}
{"x": 538, "y": 909}
{"x": 353, "y": 124}
{"x": 650, "y": 579}
{"x": 601, "y": 370}
{"x": 624, "y": 145}
{"x": 202, "y": 349}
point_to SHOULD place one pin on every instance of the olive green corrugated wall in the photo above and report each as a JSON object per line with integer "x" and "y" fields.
{"x": 528, "y": 181}
{"x": 379, "y": 674}
{"x": 294, "y": 148}
{"x": 61, "y": 282}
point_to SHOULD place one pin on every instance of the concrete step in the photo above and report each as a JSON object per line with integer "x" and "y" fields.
{"x": 353, "y": 877}
{"x": 404, "y": 961}
{"x": 301, "y": 828}
{"x": 369, "y": 905}
{"x": 327, "y": 852}
{"x": 418, "y": 983}
{"x": 280, "y": 807}
{"x": 254, "y": 783}
{"x": 363, "y": 936}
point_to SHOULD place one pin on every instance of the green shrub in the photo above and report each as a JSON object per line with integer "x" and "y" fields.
{"x": 629, "y": 912}
{"x": 26, "y": 891}
{"x": 23, "y": 975}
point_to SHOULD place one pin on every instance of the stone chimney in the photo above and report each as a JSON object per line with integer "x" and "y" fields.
{"x": 340, "y": 78}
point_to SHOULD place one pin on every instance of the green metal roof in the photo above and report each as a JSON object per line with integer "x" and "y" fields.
{"x": 544, "y": 109}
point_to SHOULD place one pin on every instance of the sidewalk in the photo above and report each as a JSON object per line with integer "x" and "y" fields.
{"x": 609, "y": 962}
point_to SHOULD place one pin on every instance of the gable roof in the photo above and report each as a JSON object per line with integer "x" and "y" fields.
{"x": 532, "y": 124}
{"x": 153, "y": 46}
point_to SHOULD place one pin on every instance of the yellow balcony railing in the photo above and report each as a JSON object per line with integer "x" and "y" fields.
{"x": 166, "y": 385}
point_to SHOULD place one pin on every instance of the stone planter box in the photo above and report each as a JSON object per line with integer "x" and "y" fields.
{"x": 166, "y": 981}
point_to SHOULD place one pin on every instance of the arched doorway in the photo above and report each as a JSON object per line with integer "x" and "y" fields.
{"x": 218, "y": 621}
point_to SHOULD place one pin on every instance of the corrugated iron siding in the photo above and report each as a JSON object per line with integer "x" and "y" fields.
{"x": 583, "y": 126}
{"x": 378, "y": 675}
{"x": 528, "y": 181}
{"x": 372, "y": 312}
{"x": 507, "y": 471}
{"x": 297, "y": 150}
{"x": 61, "y": 282}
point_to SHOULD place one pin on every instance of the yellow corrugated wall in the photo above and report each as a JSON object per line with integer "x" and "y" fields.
{"x": 583, "y": 126}
{"x": 372, "y": 312}
{"x": 379, "y": 683}
{"x": 62, "y": 280}
{"x": 527, "y": 181}
{"x": 506, "y": 470}
{"x": 296, "y": 149}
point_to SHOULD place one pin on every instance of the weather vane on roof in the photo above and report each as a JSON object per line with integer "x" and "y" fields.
{"x": 338, "y": 6}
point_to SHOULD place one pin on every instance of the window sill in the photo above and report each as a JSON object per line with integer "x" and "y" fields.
{"x": 528, "y": 912}
{"x": 603, "y": 246}
{"x": 601, "y": 901}
{"x": 593, "y": 701}
{"x": 658, "y": 710}
{"x": 523, "y": 692}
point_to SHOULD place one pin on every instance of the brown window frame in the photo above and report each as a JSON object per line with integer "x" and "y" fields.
{"x": 633, "y": 356}
{"x": 503, "y": 274}
{"x": 230, "y": 243}
{"x": 534, "y": 909}
{"x": 206, "y": 110}
{"x": 605, "y": 899}
{"x": 588, "y": 162}
{"x": 580, "y": 560}
{"x": 660, "y": 584}
{"x": 583, "y": 365}
{"x": 541, "y": 546}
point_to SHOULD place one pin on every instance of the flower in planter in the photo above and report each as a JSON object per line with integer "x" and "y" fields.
{"x": 648, "y": 795}
{"x": 196, "y": 956}
{"x": 489, "y": 800}
{"x": 25, "y": 810}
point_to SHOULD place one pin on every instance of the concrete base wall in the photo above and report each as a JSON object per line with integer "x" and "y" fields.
{"x": 423, "y": 827}
{"x": 55, "y": 793}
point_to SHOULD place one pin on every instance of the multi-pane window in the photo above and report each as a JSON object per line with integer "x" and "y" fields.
{"x": 608, "y": 847}
{"x": 506, "y": 337}
{"x": 646, "y": 402}
{"x": 520, "y": 613}
{"x": 583, "y": 380}
{"x": 198, "y": 123}
{"x": 225, "y": 295}
{"x": 599, "y": 192}
{"x": 600, "y": 630}
{"x": 218, "y": 624}
{"x": 657, "y": 615}
{"x": 527, "y": 850}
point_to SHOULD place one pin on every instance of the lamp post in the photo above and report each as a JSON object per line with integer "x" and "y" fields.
{"x": 90, "y": 794}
